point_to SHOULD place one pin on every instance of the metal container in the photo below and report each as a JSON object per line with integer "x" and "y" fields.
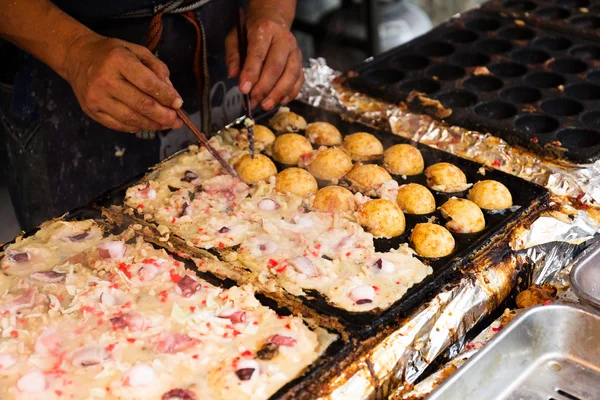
{"x": 585, "y": 276}
{"x": 548, "y": 352}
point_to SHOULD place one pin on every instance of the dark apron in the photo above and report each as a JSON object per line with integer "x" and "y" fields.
{"x": 59, "y": 158}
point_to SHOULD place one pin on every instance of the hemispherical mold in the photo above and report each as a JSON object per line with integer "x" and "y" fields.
{"x": 536, "y": 124}
{"x": 517, "y": 33}
{"x": 552, "y": 13}
{"x": 457, "y": 98}
{"x": 507, "y": 69}
{"x": 384, "y": 75}
{"x": 568, "y": 65}
{"x": 530, "y": 56}
{"x": 586, "y": 52}
{"x": 578, "y": 138}
{"x": 482, "y": 83}
{"x": 482, "y": 24}
{"x": 594, "y": 9}
{"x": 493, "y": 46}
{"x": 423, "y": 85}
{"x": 436, "y": 48}
{"x": 410, "y": 62}
{"x": 585, "y": 21}
{"x": 470, "y": 59}
{"x": 459, "y": 35}
{"x": 593, "y": 76}
{"x": 521, "y": 94}
{"x": 519, "y": 5}
{"x": 562, "y": 107}
{"x": 496, "y": 110}
{"x": 552, "y": 43}
{"x": 573, "y": 3}
{"x": 591, "y": 119}
{"x": 445, "y": 72}
{"x": 544, "y": 80}
{"x": 583, "y": 91}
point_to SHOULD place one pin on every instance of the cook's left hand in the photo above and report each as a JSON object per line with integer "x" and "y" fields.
{"x": 272, "y": 73}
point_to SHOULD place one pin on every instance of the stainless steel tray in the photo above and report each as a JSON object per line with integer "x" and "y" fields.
{"x": 548, "y": 352}
{"x": 585, "y": 276}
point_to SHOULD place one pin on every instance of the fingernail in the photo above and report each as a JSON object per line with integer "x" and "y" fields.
{"x": 268, "y": 104}
{"x": 165, "y": 128}
{"x": 245, "y": 88}
{"x": 177, "y": 103}
{"x": 285, "y": 100}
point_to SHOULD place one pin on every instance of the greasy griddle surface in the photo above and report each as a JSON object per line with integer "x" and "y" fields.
{"x": 526, "y": 196}
{"x": 541, "y": 89}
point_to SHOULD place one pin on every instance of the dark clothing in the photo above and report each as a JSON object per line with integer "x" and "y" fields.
{"x": 59, "y": 158}
{"x": 94, "y": 10}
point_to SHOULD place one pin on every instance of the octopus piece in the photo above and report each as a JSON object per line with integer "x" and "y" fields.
{"x": 329, "y": 164}
{"x": 254, "y": 170}
{"x": 49, "y": 343}
{"x": 432, "y": 240}
{"x": 7, "y": 361}
{"x": 362, "y": 146}
{"x": 172, "y": 342}
{"x": 463, "y": 216}
{"x": 296, "y": 181}
{"x": 290, "y": 147}
{"x": 19, "y": 303}
{"x": 282, "y": 340}
{"x": 403, "y": 159}
{"x": 286, "y": 121}
{"x": 188, "y": 286}
{"x": 179, "y": 394}
{"x": 385, "y": 266}
{"x": 48, "y": 276}
{"x": 140, "y": 375}
{"x": 382, "y": 218}
{"x": 147, "y": 193}
{"x": 333, "y": 199}
{"x": 33, "y": 382}
{"x": 267, "y": 205}
{"x": 491, "y": 195}
{"x": 446, "y": 177}
{"x": 114, "y": 249}
{"x": 367, "y": 177}
{"x": 363, "y": 294}
{"x": 89, "y": 356}
{"x": 131, "y": 320}
{"x": 415, "y": 199}
{"x": 303, "y": 265}
{"x": 323, "y": 134}
{"x": 235, "y": 316}
{"x": 247, "y": 370}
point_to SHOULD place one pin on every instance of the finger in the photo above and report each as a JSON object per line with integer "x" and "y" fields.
{"x": 258, "y": 47}
{"x": 232, "y": 54}
{"x": 295, "y": 90}
{"x": 145, "y": 105}
{"x": 151, "y": 61}
{"x": 286, "y": 82}
{"x": 111, "y": 123}
{"x": 272, "y": 70}
{"x": 144, "y": 79}
{"x": 128, "y": 116}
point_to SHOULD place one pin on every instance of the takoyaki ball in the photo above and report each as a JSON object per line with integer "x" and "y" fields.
{"x": 296, "y": 181}
{"x": 333, "y": 199}
{"x": 287, "y": 121}
{"x": 251, "y": 171}
{"x": 463, "y": 216}
{"x": 263, "y": 135}
{"x": 382, "y": 218}
{"x": 415, "y": 199}
{"x": 288, "y": 148}
{"x": 367, "y": 177}
{"x": 362, "y": 146}
{"x": 445, "y": 177}
{"x": 323, "y": 134}
{"x": 431, "y": 240}
{"x": 403, "y": 159}
{"x": 330, "y": 164}
{"x": 491, "y": 195}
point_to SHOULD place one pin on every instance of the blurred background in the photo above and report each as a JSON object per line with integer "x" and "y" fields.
{"x": 344, "y": 32}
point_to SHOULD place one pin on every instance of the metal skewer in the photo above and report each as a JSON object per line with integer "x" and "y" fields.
{"x": 242, "y": 47}
{"x": 204, "y": 141}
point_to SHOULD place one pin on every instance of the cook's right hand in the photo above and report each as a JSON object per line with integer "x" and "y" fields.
{"x": 122, "y": 85}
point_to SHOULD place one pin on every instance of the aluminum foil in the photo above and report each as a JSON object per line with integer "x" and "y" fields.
{"x": 393, "y": 366}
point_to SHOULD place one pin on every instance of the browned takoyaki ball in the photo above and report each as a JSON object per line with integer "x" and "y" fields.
{"x": 445, "y": 177}
{"x": 287, "y": 121}
{"x": 415, "y": 199}
{"x": 431, "y": 240}
{"x": 296, "y": 181}
{"x": 264, "y": 135}
{"x": 289, "y": 147}
{"x": 323, "y": 134}
{"x": 333, "y": 199}
{"x": 403, "y": 159}
{"x": 491, "y": 195}
{"x": 463, "y": 216}
{"x": 362, "y": 146}
{"x": 382, "y": 218}
{"x": 251, "y": 171}
{"x": 330, "y": 164}
{"x": 367, "y": 177}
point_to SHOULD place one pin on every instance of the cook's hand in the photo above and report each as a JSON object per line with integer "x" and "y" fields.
{"x": 122, "y": 85}
{"x": 272, "y": 73}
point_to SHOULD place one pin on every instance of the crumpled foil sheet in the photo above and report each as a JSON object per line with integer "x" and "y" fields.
{"x": 393, "y": 366}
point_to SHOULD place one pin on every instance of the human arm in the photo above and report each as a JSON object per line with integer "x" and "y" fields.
{"x": 118, "y": 84}
{"x": 272, "y": 73}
